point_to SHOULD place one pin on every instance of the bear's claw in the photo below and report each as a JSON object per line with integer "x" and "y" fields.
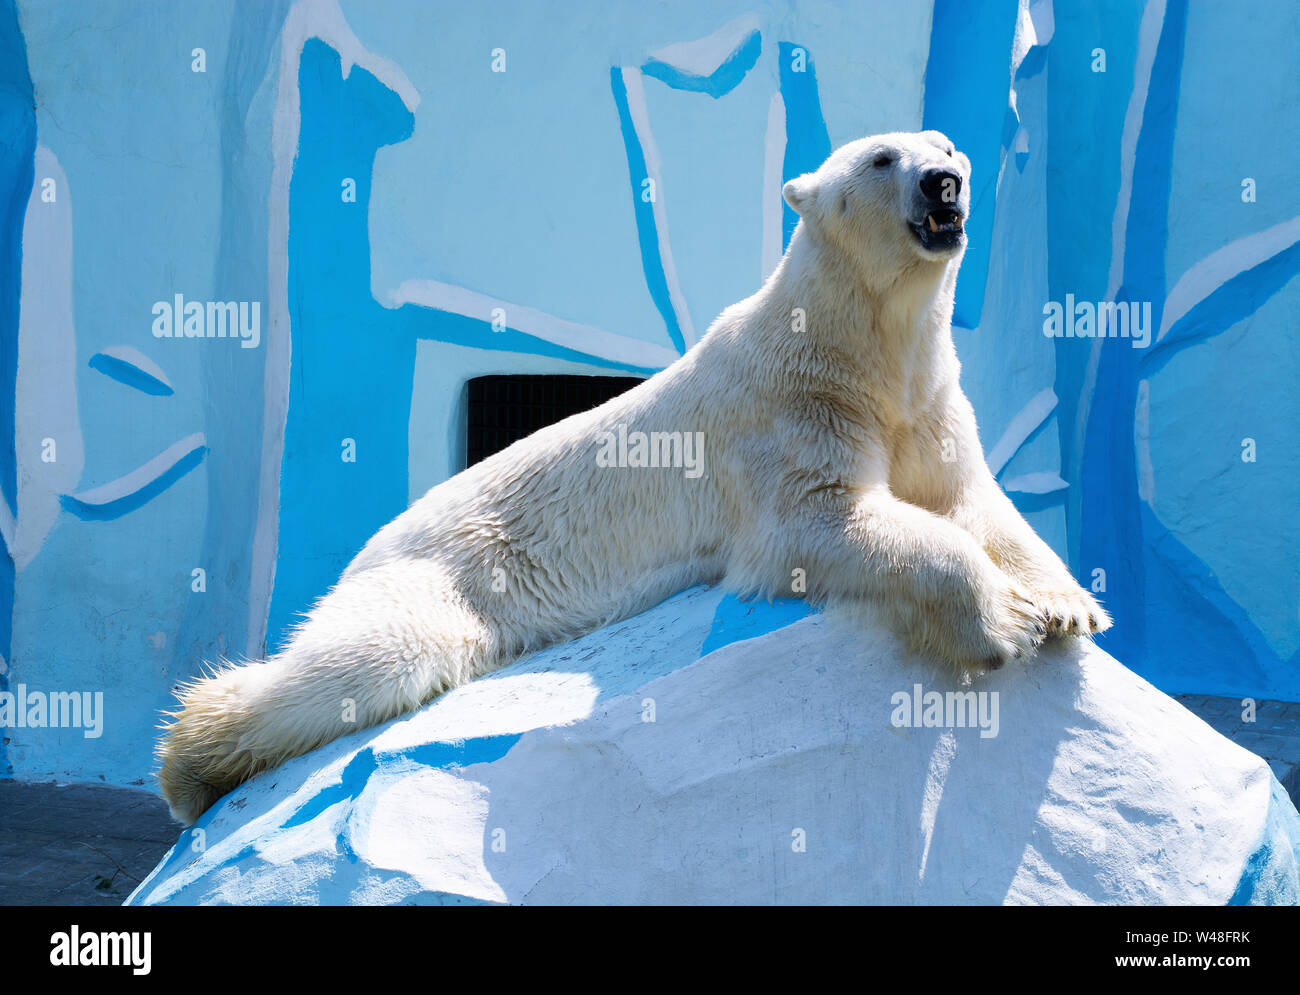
{"x": 1072, "y": 613}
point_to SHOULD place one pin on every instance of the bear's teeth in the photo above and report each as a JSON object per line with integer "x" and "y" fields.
{"x": 933, "y": 225}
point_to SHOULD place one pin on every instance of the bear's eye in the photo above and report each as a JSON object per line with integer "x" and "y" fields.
{"x": 883, "y": 160}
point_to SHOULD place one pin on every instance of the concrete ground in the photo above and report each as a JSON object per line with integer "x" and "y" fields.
{"x": 78, "y": 844}
{"x": 1274, "y": 735}
{"x": 86, "y": 844}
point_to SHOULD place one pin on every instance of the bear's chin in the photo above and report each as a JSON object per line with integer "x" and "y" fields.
{"x": 939, "y": 246}
{"x": 941, "y": 233}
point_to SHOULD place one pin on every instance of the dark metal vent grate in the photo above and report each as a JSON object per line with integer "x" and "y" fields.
{"x": 505, "y": 409}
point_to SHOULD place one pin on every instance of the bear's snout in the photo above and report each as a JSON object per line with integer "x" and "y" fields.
{"x": 942, "y": 185}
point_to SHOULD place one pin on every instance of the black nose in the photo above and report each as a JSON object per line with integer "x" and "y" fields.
{"x": 942, "y": 185}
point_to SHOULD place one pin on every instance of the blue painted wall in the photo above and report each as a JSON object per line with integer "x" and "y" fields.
{"x": 414, "y": 195}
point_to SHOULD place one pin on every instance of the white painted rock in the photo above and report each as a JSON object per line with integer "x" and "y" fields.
{"x": 714, "y": 751}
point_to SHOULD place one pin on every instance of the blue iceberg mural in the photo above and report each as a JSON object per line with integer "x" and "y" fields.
{"x": 410, "y": 207}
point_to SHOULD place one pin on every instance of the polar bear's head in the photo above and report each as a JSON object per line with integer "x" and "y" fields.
{"x": 888, "y": 202}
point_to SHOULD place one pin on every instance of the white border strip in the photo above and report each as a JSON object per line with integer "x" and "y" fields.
{"x": 539, "y": 324}
{"x": 1221, "y": 265}
{"x": 773, "y": 164}
{"x": 306, "y": 19}
{"x": 634, "y": 84}
{"x": 1020, "y": 428}
{"x": 143, "y": 475}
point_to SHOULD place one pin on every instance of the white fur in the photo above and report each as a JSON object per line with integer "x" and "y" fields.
{"x": 823, "y": 457}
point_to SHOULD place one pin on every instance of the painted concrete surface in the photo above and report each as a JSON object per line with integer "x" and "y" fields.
{"x": 353, "y": 169}
{"x": 714, "y": 751}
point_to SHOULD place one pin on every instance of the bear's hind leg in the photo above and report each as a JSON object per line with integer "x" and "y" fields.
{"x": 381, "y": 643}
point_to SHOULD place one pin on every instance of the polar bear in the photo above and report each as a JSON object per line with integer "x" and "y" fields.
{"x": 835, "y": 457}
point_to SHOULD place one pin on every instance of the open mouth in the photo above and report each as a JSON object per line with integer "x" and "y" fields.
{"x": 943, "y": 228}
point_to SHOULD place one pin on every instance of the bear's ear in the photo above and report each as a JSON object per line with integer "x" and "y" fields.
{"x": 800, "y": 191}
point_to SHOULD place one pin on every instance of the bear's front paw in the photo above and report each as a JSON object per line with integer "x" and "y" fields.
{"x": 1010, "y": 626}
{"x": 1070, "y": 611}
{"x": 981, "y": 626}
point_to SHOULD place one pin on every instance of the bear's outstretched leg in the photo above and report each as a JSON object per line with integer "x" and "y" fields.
{"x": 979, "y": 506}
{"x": 381, "y": 643}
{"x": 988, "y": 514}
{"x": 941, "y": 592}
